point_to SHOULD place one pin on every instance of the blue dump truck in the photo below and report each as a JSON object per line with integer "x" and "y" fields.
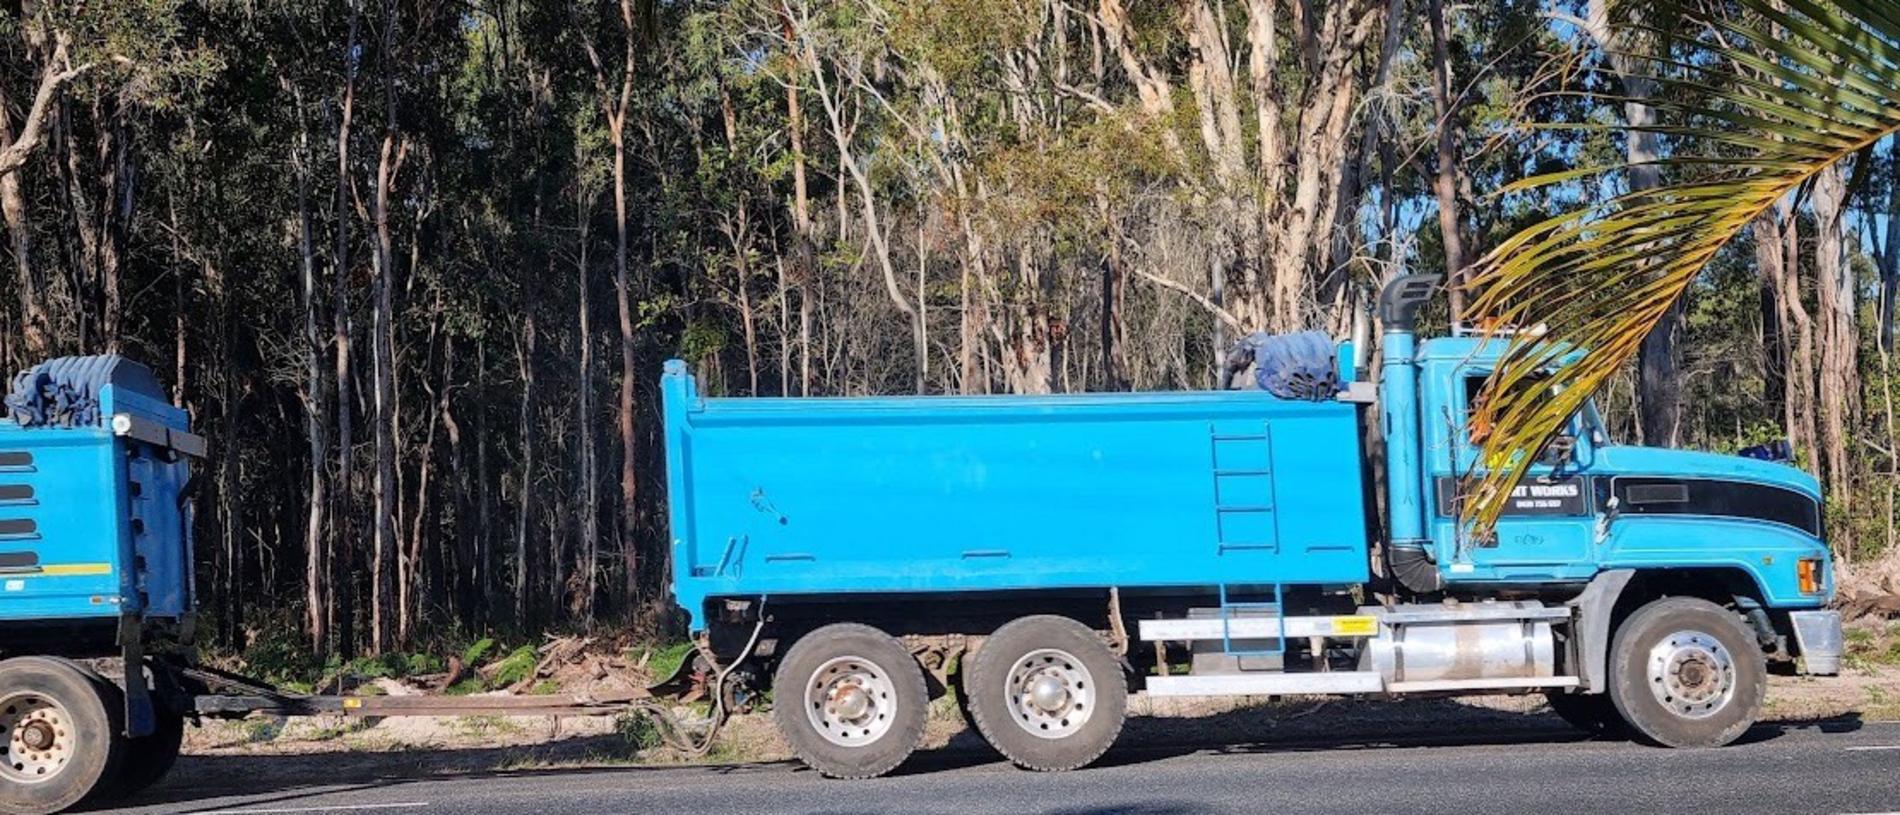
{"x": 1039, "y": 556}
{"x": 1043, "y": 556}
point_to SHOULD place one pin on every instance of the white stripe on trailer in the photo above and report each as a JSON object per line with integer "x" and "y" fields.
{"x": 1266, "y": 684}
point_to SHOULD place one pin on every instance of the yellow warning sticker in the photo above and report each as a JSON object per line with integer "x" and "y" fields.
{"x": 75, "y": 569}
{"x": 1355, "y": 626}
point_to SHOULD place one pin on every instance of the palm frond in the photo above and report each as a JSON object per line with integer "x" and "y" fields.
{"x": 1755, "y": 98}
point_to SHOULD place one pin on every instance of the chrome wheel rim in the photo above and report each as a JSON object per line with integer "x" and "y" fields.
{"x": 851, "y": 701}
{"x": 1050, "y": 693}
{"x": 1692, "y": 674}
{"x": 37, "y": 738}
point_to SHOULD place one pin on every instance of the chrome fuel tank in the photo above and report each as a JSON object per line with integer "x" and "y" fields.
{"x": 1463, "y": 641}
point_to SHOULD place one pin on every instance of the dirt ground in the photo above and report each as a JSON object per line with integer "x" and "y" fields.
{"x": 1869, "y": 690}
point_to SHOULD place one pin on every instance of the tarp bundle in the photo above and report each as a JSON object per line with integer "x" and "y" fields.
{"x": 1300, "y": 366}
{"x": 64, "y": 392}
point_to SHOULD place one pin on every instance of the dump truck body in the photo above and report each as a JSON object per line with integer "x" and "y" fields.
{"x": 92, "y": 516}
{"x": 834, "y": 496}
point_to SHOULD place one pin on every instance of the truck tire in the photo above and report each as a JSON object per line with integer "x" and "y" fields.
{"x": 1592, "y": 713}
{"x": 850, "y": 701}
{"x": 1685, "y": 673}
{"x": 146, "y": 760}
{"x": 1046, "y": 692}
{"x": 61, "y": 737}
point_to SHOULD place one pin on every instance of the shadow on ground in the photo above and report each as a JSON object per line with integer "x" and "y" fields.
{"x": 1338, "y": 726}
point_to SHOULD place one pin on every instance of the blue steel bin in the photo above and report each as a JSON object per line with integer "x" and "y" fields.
{"x": 809, "y": 497}
{"x": 93, "y": 521}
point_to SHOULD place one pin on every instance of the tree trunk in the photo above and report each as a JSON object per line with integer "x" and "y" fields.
{"x": 1445, "y": 182}
{"x": 343, "y": 579}
{"x": 1659, "y": 361}
{"x": 34, "y": 329}
{"x": 1890, "y": 259}
{"x": 805, "y": 272}
{"x": 590, "y": 482}
{"x": 1834, "y": 285}
{"x": 315, "y": 403}
{"x": 1799, "y": 408}
{"x": 384, "y": 541}
{"x": 524, "y": 489}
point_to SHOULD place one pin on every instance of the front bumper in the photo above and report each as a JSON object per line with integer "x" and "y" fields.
{"x": 1817, "y": 640}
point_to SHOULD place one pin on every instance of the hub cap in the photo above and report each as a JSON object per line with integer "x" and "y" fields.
{"x": 850, "y": 701}
{"x": 1050, "y": 693}
{"x": 1692, "y": 674}
{"x": 36, "y": 738}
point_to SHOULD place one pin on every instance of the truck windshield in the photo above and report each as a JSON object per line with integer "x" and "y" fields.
{"x": 1477, "y": 428}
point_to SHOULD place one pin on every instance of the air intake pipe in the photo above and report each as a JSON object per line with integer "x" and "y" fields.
{"x": 1408, "y": 550}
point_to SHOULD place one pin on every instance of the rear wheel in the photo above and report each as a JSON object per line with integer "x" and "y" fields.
{"x": 146, "y": 760}
{"x": 60, "y": 737}
{"x": 850, "y": 701}
{"x": 1046, "y": 692}
{"x": 1685, "y": 673}
{"x": 149, "y": 759}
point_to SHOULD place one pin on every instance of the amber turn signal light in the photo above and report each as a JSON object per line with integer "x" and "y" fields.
{"x": 1809, "y": 573}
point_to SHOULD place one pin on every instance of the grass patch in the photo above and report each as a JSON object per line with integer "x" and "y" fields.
{"x": 260, "y": 731}
{"x": 637, "y": 731}
{"x": 476, "y": 726}
{"x": 1868, "y": 646}
{"x": 668, "y": 658}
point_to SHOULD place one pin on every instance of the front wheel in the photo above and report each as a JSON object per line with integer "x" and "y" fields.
{"x": 1685, "y": 673}
{"x": 1047, "y": 693}
{"x": 850, "y": 701}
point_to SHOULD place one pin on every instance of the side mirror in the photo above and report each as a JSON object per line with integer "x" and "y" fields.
{"x": 1777, "y": 450}
{"x": 1560, "y": 450}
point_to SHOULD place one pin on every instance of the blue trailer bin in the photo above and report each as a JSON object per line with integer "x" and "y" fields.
{"x": 93, "y": 474}
{"x": 791, "y": 497}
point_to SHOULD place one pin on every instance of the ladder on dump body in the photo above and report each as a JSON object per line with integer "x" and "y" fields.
{"x": 1229, "y": 606}
{"x": 1244, "y": 522}
{"x": 1244, "y": 525}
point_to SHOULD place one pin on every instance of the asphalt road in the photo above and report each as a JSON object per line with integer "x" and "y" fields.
{"x": 1839, "y": 766}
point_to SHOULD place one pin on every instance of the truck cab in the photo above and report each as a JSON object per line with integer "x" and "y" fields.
{"x": 1597, "y": 505}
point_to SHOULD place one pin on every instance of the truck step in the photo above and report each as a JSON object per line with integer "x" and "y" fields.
{"x": 1248, "y": 628}
{"x": 1266, "y": 684}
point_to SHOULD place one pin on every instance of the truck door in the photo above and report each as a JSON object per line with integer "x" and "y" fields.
{"x": 1547, "y": 531}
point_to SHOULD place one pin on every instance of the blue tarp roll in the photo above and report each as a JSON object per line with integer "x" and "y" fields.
{"x": 64, "y": 392}
{"x": 1302, "y": 366}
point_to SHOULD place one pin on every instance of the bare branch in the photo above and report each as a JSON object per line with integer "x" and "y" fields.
{"x": 1182, "y": 289}
{"x": 14, "y": 155}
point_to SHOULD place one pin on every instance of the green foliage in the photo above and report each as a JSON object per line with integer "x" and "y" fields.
{"x": 478, "y": 651}
{"x": 667, "y": 659}
{"x": 516, "y": 667}
{"x": 637, "y": 731}
{"x": 703, "y": 338}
